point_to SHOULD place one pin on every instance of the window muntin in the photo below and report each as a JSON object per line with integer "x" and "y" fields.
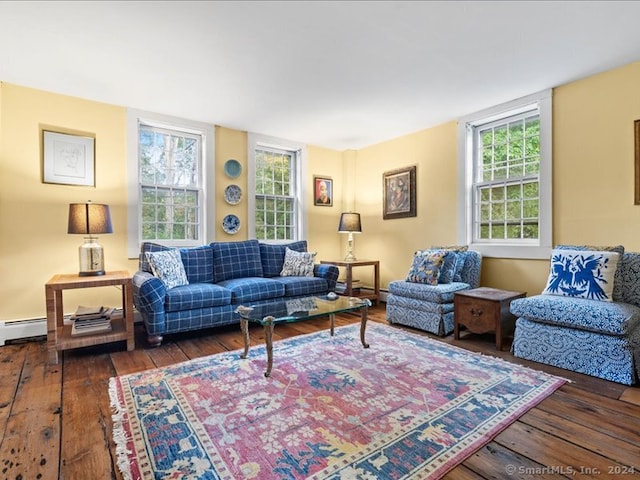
{"x": 506, "y": 187}
{"x": 276, "y": 204}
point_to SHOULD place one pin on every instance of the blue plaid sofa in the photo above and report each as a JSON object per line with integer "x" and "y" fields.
{"x": 430, "y": 307}
{"x": 585, "y": 335}
{"x": 221, "y": 276}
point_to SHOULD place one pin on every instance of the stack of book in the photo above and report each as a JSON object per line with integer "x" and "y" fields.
{"x": 88, "y": 320}
{"x": 341, "y": 287}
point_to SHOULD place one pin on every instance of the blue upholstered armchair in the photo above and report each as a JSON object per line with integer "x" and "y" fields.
{"x": 576, "y": 326}
{"x": 427, "y": 303}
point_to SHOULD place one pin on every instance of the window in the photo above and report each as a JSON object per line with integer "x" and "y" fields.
{"x": 276, "y": 208}
{"x": 167, "y": 157}
{"x": 506, "y": 160}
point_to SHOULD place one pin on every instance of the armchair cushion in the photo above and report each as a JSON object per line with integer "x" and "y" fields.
{"x": 613, "y": 318}
{"x": 441, "y": 293}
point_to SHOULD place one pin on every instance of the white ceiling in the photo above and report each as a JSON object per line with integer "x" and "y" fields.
{"x": 342, "y": 75}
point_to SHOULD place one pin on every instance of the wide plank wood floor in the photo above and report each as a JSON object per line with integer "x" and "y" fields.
{"x": 55, "y": 420}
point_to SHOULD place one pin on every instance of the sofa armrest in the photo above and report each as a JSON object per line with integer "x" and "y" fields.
{"x": 148, "y": 296}
{"x": 328, "y": 272}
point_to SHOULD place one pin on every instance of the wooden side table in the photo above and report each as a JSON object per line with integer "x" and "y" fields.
{"x": 484, "y": 310}
{"x": 375, "y": 296}
{"x": 59, "y": 335}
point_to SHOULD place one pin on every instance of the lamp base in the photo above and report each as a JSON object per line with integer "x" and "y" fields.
{"x": 350, "y": 257}
{"x": 91, "y": 274}
{"x": 91, "y": 257}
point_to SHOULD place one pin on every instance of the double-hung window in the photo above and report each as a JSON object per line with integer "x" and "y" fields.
{"x": 506, "y": 160}
{"x": 275, "y": 209}
{"x": 170, "y": 188}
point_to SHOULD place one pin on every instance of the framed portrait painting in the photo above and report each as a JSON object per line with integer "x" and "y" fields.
{"x": 322, "y": 191}
{"x": 399, "y": 191}
{"x": 68, "y": 159}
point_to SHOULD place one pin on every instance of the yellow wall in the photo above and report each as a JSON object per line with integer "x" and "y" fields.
{"x": 593, "y": 190}
{"x": 34, "y": 243}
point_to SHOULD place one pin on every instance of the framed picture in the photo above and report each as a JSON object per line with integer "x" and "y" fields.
{"x": 399, "y": 190}
{"x": 68, "y": 159}
{"x": 322, "y": 191}
{"x": 636, "y": 130}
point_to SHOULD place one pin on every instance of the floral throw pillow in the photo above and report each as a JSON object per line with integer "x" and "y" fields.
{"x": 582, "y": 273}
{"x": 426, "y": 267}
{"x": 168, "y": 267}
{"x": 298, "y": 264}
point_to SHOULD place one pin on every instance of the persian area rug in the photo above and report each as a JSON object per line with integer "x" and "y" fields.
{"x": 407, "y": 407}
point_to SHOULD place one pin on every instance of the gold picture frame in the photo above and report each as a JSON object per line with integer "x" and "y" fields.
{"x": 399, "y": 191}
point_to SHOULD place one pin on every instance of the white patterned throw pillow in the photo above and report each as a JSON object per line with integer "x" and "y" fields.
{"x": 582, "y": 273}
{"x": 168, "y": 267}
{"x": 298, "y": 264}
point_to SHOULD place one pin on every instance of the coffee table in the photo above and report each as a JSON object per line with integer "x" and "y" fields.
{"x": 297, "y": 310}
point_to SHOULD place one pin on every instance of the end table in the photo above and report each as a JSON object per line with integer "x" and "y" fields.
{"x": 59, "y": 335}
{"x": 484, "y": 310}
{"x": 348, "y": 265}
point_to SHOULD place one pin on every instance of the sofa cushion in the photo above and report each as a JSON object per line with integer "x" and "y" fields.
{"x": 252, "y": 289}
{"x": 613, "y": 318}
{"x": 442, "y": 293}
{"x": 168, "y": 267}
{"x": 198, "y": 263}
{"x": 296, "y": 286}
{"x": 197, "y": 295}
{"x": 272, "y": 256}
{"x": 298, "y": 264}
{"x": 426, "y": 266}
{"x": 582, "y": 273}
{"x": 236, "y": 260}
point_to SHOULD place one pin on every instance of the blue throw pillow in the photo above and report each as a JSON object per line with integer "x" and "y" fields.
{"x": 582, "y": 274}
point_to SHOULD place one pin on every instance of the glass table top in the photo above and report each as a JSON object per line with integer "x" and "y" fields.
{"x": 297, "y": 309}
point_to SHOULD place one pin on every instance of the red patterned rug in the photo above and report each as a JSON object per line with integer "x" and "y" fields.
{"x": 407, "y": 407}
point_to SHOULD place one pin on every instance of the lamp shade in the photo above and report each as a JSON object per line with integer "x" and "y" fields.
{"x": 89, "y": 218}
{"x": 350, "y": 223}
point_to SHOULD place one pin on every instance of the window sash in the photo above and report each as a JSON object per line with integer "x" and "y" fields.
{"x": 276, "y": 202}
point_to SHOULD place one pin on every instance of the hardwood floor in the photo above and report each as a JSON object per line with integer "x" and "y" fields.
{"x": 55, "y": 420}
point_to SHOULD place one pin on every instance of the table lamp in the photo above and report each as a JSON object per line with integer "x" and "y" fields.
{"x": 350, "y": 223}
{"x": 90, "y": 219}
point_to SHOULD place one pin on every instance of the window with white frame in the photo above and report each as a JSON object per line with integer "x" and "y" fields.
{"x": 506, "y": 160}
{"x": 275, "y": 177}
{"x": 167, "y": 159}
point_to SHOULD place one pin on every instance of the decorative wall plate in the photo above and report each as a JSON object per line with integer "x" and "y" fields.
{"x": 231, "y": 224}
{"x": 233, "y": 194}
{"x": 232, "y": 168}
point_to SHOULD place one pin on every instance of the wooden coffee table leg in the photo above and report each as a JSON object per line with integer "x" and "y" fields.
{"x": 244, "y": 326}
{"x": 363, "y": 326}
{"x": 268, "y": 339}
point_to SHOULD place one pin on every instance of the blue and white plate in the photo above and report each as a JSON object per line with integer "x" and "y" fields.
{"x": 232, "y": 168}
{"x": 231, "y": 224}
{"x": 233, "y": 194}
